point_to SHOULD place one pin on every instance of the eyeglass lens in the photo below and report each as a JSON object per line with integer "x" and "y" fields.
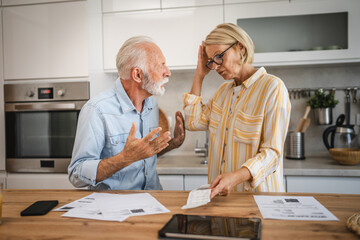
{"x": 217, "y": 59}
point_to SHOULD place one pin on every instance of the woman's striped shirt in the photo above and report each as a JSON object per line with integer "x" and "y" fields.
{"x": 252, "y": 134}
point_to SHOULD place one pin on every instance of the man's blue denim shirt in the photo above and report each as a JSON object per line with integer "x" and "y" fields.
{"x": 103, "y": 127}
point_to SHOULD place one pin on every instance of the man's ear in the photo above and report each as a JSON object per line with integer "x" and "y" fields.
{"x": 137, "y": 75}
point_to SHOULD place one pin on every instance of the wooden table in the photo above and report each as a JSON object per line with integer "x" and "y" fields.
{"x": 53, "y": 226}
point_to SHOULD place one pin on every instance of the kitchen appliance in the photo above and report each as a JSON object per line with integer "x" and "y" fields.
{"x": 341, "y": 136}
{"x": 41, "y": 121}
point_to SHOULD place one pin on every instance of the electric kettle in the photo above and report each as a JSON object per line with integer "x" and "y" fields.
{"x": 341, "y": 136}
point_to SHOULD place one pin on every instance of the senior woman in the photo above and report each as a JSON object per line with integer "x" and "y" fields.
{"x": 247, "y": 117}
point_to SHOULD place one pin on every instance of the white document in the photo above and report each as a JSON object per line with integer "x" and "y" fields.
{"x": 293, "y": 208}
{"x": 82, "y": 202}
{"x": 198, "y": 197}
{"x": 113, "y": 207}
{"x": 120, "y": 206}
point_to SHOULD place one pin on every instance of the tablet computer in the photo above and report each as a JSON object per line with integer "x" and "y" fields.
{"x": 210, "y": 227}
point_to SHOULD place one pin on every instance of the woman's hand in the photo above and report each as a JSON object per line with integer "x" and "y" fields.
{"x": 201, "y": 71}
{"x": 201, "y": 68}
{"x": 224, "y": 183}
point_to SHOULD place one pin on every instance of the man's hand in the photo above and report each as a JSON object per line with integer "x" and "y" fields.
{"x": 179, "y": 134}
{"x": 179, "y": 130}
{"x": 136, "y": 149}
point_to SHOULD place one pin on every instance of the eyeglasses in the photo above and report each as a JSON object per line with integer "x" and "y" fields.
{"x": 217, "y": 59}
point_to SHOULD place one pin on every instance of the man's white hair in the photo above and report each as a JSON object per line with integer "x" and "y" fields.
{"x": 132, "y": 55}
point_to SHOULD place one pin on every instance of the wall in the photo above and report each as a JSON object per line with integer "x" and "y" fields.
{"x": 180, "y": 82}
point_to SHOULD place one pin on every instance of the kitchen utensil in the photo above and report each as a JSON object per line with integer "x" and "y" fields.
{"x": 342, "y": 136}
{"x": 354, "y": 92}
{"x": 305, "y": 125}
{"x": 295, "y": 146}
{"x": 347, "y": 105}
{"x": 304, "y": 122}
{"x": 163, "y": 121}
{"x": 346, "y": 156}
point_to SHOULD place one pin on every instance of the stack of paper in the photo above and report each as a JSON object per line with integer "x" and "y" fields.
{"x": 113, "y": 207}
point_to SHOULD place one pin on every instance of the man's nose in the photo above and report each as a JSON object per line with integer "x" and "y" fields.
{"x": 167, "y": 72}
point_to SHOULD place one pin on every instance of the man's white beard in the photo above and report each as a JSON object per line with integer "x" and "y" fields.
{"x": 154, "y": 88}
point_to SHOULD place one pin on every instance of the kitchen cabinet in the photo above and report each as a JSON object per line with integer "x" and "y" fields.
{"x": 23, "y": 2}
{"x": 188, "y": 3}
{"x": 172, "y": 182}
{"x": 301, "y": 31}
{"x": 124, "y": 5}
{"x": 45, "y": 41}
{"x": 322, "y": 184}
{"x": 182, "y": 181}
{"x": 194, "y": 181}
{"x": 38, "y": 181}
{"x": 178, "y": 32}
{"x": 252, "y": 1}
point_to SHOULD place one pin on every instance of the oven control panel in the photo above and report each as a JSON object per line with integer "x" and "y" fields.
{"x": 46, "y": 92}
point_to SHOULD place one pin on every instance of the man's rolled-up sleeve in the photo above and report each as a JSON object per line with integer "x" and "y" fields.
{"x": 89, "y": 143}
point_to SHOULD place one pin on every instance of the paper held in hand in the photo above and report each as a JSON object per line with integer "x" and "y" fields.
{"x": 198, "y": 197}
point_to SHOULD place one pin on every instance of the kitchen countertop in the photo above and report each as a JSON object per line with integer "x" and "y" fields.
{"x": 190, "y": 164}
{"x": 53, "y": 226}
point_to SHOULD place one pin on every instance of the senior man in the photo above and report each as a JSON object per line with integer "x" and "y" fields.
{"x": 118, "y": 138}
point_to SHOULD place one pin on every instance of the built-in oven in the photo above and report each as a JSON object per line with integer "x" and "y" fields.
{"x": 40, "y": 124}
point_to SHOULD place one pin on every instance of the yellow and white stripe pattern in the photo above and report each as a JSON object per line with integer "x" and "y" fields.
{"x": 252, "y": 135}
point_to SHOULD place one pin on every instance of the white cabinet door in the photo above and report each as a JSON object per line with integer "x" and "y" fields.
{"x": 38, "y": 181}
{"x": 45, "y": 41}
{"x": 249, "y": 14}
{"x": 345, "y": 185}
{"x": 252, "y": 1}
{"x": 23, "y": 2}
{"x": 178, "y": 32}
{"x": 194, "y": 181}
{"x": 188, "y": 3}
{"x": 172, "y": 182}
{"x": 126, "y": 5}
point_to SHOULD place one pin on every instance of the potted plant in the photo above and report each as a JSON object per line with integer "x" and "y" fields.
{"x": 323, "y": 104}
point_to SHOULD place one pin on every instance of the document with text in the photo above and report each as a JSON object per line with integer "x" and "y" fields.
{"x": 113, "y": 207}
{"x": 293, "y": 208}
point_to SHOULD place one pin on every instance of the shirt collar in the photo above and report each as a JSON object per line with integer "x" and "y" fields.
{"x": 124, "y": 100}
{"x": 251, "y": 80}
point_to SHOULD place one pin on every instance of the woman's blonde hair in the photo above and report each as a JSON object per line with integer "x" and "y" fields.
{"x": 228, "y": 33}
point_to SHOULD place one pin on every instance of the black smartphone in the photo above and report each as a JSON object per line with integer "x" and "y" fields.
{"x": 39, "y": 208}
{"x": 211, "y": 227}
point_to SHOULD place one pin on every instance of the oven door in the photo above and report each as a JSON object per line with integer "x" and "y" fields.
{"x": 40, "y": 136}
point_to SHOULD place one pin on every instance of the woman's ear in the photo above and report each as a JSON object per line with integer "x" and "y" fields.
{"x": 137, "y": 74}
